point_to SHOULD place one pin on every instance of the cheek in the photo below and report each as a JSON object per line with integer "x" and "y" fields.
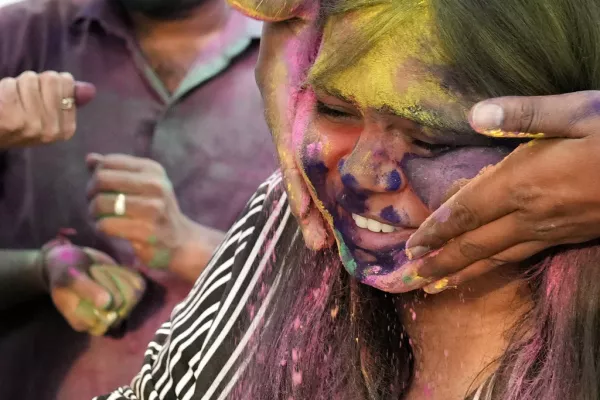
{"x": 432, "y": 178}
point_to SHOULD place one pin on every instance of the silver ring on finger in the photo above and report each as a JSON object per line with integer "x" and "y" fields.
{"x": 120, "y": 206}
{"x": 67, "y": 103}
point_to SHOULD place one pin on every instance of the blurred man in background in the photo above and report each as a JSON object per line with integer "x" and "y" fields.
{"x": 174, "y": 125}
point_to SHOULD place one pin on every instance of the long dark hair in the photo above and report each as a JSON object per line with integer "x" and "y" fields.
{"x": 329, "y": 337}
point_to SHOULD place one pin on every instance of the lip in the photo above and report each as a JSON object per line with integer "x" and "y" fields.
{"x": 373, "y": 241}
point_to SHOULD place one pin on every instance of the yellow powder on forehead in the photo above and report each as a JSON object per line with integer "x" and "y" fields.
{"x": 396, "y": 72}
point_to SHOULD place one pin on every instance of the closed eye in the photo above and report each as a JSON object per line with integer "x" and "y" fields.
{"x": 331, "y": 112}
{"x": 431, "y": 148}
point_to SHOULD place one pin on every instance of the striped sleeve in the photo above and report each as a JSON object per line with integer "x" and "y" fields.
{"x": 198, "y": 352}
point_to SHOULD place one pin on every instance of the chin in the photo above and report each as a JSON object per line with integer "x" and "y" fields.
{"x": 380, "y": 269}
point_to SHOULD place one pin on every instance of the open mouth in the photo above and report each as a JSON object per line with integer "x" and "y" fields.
{"x": 369, "y": 234}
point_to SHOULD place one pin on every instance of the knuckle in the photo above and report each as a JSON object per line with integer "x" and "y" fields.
{"x": 14, "y": 123}
{"x": 497, "y": 261}
{"x": 49, "y": 78}
{"x": 28, "y": 76}
{"x": 527, "y": 116}
{"x": 67, "y": 77}
{"x": 33, "y": 129}
{"x": 154, "y": 166}
{"x": 470, "y": 250}
{"x": 157, "y": 207}
{"x": 527, "y": 196}
{"x": 543, "y": 229}
{"x": 51, "y": 131}
{"x": 102, "y": 176}
{"x": 156, "y": 186}
{"x": 464, "y": 218}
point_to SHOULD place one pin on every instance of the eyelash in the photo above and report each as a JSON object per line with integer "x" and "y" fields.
{"x": 433, "y": 149}
{"x": 331, "y": 112}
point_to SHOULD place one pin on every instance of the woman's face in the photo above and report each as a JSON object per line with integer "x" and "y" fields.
{"x": 383, "y": 143}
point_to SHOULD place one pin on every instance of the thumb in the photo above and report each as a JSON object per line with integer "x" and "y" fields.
{"x": 84, "y": 93}
{"x": 568, "y": 115}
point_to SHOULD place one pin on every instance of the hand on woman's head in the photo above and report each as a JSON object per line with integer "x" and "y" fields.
{"x": 276, "y": 72}
{"x": 280, "y": 65}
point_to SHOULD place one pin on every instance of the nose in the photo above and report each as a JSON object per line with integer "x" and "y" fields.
{"x": 374, "y": 163}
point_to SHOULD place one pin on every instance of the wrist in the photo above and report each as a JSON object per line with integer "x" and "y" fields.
{"x": 40, "y": 268}
{"x": 194, "y": 250}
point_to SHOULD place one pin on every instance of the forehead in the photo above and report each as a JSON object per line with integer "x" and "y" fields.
{"x": 401, "y": 69}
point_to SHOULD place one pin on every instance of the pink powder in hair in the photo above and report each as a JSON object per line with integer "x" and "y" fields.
{"x": 297, "y": 378}
{"x": 297, "y": 323}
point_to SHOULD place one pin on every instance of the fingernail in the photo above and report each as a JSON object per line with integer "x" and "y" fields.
{"x": 487, "y": 116}
{"x": 437, "y": 287}
{"x": 417, "y": 252}
{"x": 104, "y": 301}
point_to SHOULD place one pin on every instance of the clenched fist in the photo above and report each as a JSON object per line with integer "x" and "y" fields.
{"x": 40, "y": 108}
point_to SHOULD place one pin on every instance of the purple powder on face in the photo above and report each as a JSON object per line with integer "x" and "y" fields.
{"x": 349, "y": 181}
{"x": 390, "y": 215}
{"x": 432, "y": 178}
{"x": 394, "y": 181}
{"x": 317, "y": 173}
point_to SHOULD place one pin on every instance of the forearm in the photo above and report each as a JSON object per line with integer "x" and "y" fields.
{"x": 21, "y": 277}
{"x": 193, "y": 256}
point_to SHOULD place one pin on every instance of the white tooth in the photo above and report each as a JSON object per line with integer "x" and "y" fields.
{"x": 373, "y": 226}
{"x": 387, "y": 228}
{"x": 361, "y": 222}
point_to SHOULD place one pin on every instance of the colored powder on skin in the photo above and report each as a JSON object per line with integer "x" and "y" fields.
{"x": 69, "y": 254}
{"x": 432, "y": 178}
{"x": 349, "y": 181}
{"x": 161, "y": 259}
{"x": 305, "y": 102}
{"x": 313, "y": 150}
{"x": 443, "y": 213}
{"x": 390, "y": 215}
{"x": 503, "y": 134}
{"x": 345, "y": 254}
{"x": 401, "y": 51}
{"x": 394, "y": 181}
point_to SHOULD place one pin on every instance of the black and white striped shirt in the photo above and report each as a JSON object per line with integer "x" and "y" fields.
{"x": 198, "y": 352}
{"x": 203, "y": 349}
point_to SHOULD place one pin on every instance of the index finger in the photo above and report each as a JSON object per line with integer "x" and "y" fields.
{"x": 571, "y": 115}
{"x": 122, "y": 162}
{"x": 465, "y": 211}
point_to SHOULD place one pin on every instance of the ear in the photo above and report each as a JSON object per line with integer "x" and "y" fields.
{"x": 276, "y": 10}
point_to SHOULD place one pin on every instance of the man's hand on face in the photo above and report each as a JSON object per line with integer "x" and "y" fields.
{"x": 40, "y": 108}
{"x": 148, "y": 215}
{"x": 546, "y": 193}
{"x": 87, "y": 287}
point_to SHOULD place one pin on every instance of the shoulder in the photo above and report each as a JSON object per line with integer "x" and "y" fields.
{"x": 29, "y": 29}
{"x": 55, "y": 13}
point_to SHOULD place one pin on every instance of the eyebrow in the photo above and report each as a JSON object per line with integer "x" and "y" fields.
{"x": 417, "y": 113}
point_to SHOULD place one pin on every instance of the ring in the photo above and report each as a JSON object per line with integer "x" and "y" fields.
{"x": 120, "y": 205}
{"x": 67, "y": 103}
